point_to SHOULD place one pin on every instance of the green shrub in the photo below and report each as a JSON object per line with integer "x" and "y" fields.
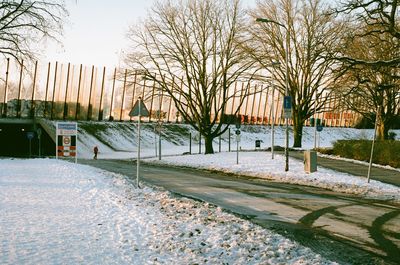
{"x": 385, "y": 152}
{"x": 326, "y": 151}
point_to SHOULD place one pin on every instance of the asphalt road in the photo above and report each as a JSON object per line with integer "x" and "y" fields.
{"x": 356, "y": 169}
{"x": 343, "y": 228}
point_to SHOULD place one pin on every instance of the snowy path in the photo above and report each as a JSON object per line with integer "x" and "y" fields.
{"x": 328, "y": 222}
{"x": 60, "y": 213}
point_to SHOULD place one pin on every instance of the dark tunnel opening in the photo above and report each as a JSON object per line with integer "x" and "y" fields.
{"x": 22, "y": 140}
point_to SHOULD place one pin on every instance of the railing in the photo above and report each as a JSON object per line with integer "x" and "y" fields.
{"x": 77, "y": 92}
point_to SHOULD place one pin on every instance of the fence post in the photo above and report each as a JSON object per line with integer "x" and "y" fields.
{"x": 112, "y": 96}
{"x": 4, "y": 112}
{"x": 133, "y": 92}
{"x": 90, "y": 107}
{"x": 19, "y": 105}
{"x": 33, "y": 92}
{"x": 123, "y": 95}
{"x": 77, "y": 106}
{"x": 54, "y": 91}
{"x": 47, "y": 90}
{"x": 66, "y": 93}
{"x": 100, "y": 116}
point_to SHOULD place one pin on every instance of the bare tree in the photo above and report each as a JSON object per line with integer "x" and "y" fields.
{"x": 372, "y": 88}
{"x": 314, "y": 38}
{"x": 25, "y": 23}
{"x": 191, "y": 49}
{"x": 378, "y": 18}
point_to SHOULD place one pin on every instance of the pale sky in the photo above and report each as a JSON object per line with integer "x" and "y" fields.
{"x": 95, "y": 34}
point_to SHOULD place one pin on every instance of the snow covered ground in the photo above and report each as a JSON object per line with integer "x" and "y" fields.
{"x": 258, "y": 164}
{"x": 118, "y": 140}
{"x": 55, "y": 212}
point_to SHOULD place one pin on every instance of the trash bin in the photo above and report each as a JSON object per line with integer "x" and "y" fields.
{"x": 258, "y": 143}
{"x": 310, "y": 161}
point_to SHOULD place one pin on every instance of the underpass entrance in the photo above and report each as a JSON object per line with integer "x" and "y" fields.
{"x": 24, "y": 138}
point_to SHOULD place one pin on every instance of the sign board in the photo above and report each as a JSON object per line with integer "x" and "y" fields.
{"x": 237, "y": 132}
{"x": 30, "y": 135}
{"x": 287, "y": 113}
{"x": 287, "y": 107}
{"x": 319, "y": 128}
{"x": 66, "y": 139}
{"x": 287, "y": 102}
{"x": 139, "y": 108}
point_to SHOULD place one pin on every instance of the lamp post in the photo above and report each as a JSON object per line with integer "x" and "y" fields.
{"x": 274, "y": 65}
{"x": 265, "y": 20}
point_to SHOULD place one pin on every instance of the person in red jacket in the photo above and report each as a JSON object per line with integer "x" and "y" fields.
{"x": 95, "y": 151}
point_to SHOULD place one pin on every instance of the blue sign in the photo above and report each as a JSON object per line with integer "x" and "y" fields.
{"x": 319, "y": 128}
{"x": 30, "y": 135}
{"x": 287, "y": 102}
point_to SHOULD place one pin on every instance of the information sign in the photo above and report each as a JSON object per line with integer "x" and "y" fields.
{"x": 66, "y": 139}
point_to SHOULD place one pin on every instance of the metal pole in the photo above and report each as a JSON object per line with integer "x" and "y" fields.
{"x": 47, "y": 91}
{"x": 286, "y": 94}
{"x": 54, "y": 91}
{"x": 100, "y": 115}
{"x": 219, "y": 144}
{"x": 190, "y": 143}
{"x": 19, "y": 105}
{"x": 237, "y": 150}
{"x": 65, "y": 111}
{"x": 112, "y": 95}
{"x": 123, "y": 96}
{"x": 76, "y": 141}
{"x": 133, "y": 91}
{"x": 138, "y": 150}
{"x": 159, "y": 144}
{"x": 315, "y": 121}
{"x": 40, "y": 147}
{"x": 33, "y": 91}
{"x": 77, "y": 106}
{"x": 229, "y": 139}
{"x": 155, "y": 140}
{"x": 373, "y": 143}
{"x": 4, "y": 110}
{"x": 30, "y": 147}
{"x": 199, "y": 143}
{"x": 90, "y": 107}
{"x": 56, "y": 140}
{"x": 159, "y": 123}
{"x": 273, "y": 123}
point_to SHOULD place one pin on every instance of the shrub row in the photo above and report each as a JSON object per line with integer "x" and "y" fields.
{"x": 385, "y": 152}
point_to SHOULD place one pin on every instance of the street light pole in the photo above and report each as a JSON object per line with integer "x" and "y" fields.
{"x": 265, "y": 20}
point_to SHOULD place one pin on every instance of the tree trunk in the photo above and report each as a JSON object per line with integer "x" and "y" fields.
{"x": 297, "y": 130}
{"x": 209, "y": 144}
{"x": 382, "y": 133}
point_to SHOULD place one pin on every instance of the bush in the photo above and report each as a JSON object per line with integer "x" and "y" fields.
{"x": 326, "y": 151}
{"x": 385, "y": 152}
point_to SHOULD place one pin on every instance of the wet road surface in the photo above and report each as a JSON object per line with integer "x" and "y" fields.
{"x": 340, "y": 227}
